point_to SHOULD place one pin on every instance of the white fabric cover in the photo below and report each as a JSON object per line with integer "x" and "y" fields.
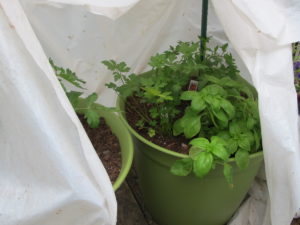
{"x": 49, "y": 171}
{"x": 262, "y": 33}
{"x": 79, "y": 34}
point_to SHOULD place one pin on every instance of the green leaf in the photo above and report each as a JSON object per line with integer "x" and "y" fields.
{"x": 222, "y": 117}
{"x": 182, "y": 167}
{"x": 194, "y": 151}
{"x": 178, "y": 127}
{"x": 140, "y": 123}
{"x": 215, "y": 103}
{"x": 257, "y": 139}
{"x": 203, "y": 164}
{"x": 188, "y": 95}
{"x": 67, "y": 75}
{"x": 220, "y": 151}
{"x": 244, "y": 144}
{"x": 228, "y": 82}
{"x": 122, "y": 67}
{"x": 242, "y": 159}
{"x": 91, "y": 99}
{"x": 110, "y": 64}
{"x": 201, "y": 143}
{"x": 111, "y": 85}
{"x": 73, "y": 97}
{"x": 217, "y": 140}
{"x": 224, "y": 135}
{"x": 228, "y": 108}
{"x": 157, "y": 93}
{"x": 224, "y": 47}
{"x": 93, "y": 118}
{"x": 232, "y": 145}
{"x": 151, "y": 132}
{"x": 251, "y": 123}
{"x": 153, "y": 112}
{"x": 198, "y": 104}
{"x": 214, "y": 89}
{"x": 228, "y": 173}
{"x": 192, "y": 126}
{"x": 212, "y": 79}
{"x": 234, "y": 128}
{"x": 218, "y": 148}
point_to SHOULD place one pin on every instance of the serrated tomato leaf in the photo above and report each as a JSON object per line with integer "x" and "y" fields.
{"x": 92, "y": 117}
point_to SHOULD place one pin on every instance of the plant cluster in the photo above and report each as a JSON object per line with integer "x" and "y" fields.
{"x": 220, "y": 118}
{"x": 86, "y": 106}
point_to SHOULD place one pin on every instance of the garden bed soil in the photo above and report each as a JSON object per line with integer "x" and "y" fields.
{"x": 107, "y": 147}
{"x": 177, "y": 144}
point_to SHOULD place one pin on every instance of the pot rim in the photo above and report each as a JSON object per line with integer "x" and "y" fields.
{"x": 127, "y": 147}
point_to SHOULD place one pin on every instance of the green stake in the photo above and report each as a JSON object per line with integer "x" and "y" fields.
{"x": 203, "y": 28}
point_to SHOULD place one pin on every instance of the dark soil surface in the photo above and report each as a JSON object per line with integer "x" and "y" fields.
{"x": 296, "y": 222}
{"x": 177, "y": 144}
{"x": 107, "y": 147}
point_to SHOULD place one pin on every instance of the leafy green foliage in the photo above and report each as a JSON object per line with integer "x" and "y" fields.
{"x": 221, "y": 118}
{"x": 67, "y": 75}
{"x": 182, "y": 167}
{"x": 85, "y": 106}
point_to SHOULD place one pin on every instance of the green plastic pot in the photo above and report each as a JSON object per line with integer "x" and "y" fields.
{"x": 126, "y": 144}
{"x": 174, "y": 200}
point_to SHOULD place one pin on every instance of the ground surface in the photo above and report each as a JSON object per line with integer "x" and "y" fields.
{"x": 131, "y": 210}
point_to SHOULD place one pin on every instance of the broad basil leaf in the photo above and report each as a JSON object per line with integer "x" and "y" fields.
{"x": 234, "y": 128}
{"x": 244, "y": 144}
{"x": 217, "y": 147}
{"x": 192, "y": 126}
{"x": 182, "y": 167}
{"x": 201, "y": 143}
{"x": 228, "y": 173}
{"x": 178, "y": 127}
{"x": 226, "y": 81}
{"x": 214, "y": 89}
{"x": 194, "y": 152}
{"x": 215, "y": 103}
{"x": 198, "y": 104}
{"x": 257, "y": 139}
{"x": 188, "y": 95}
{"x": 228, "y": 108}
{"x": 217, "y": 140}
{"x": 221, "y": 116}
{"x": 212, "y": 79}
{"x": 203, "y": 164}
{"x": 242, "y": 159}
{"x": 232, "y": 145}
{"x": 224, "y": 135}
{"x": 251, "y": 123}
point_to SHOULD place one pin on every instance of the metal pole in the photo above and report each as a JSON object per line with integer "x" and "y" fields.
{"x": 203, "y": 28}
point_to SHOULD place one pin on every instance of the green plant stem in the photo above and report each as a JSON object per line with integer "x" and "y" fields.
{"x": 212, "y": 118}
